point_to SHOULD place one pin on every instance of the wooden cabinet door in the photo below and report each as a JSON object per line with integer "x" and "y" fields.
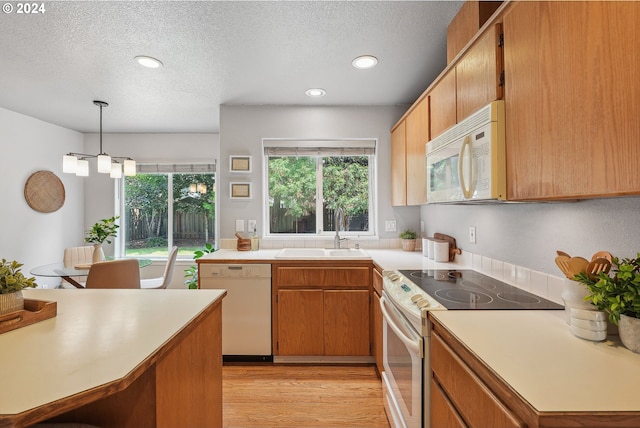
{"x": 464, "y": 26}
{"x": 442, "y": 104}
{"x": 300, "y": 322}
{"x": 346, "y": 322}
{"x": 571, "y": 97}
{"x": 417, "y": 136}
{"x": 376, "y": 314}
{"x": 398, "y": 165}
{"x": 443, "y": 412}
{"x": 478, "y": 74}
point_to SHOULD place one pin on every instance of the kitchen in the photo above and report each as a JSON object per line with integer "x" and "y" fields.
{"x": 524, "y": 235}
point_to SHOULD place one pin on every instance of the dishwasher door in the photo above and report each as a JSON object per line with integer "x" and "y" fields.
{"x": 246, "y": 309}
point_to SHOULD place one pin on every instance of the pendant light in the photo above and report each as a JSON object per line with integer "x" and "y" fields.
{"x": 115, "y": 166}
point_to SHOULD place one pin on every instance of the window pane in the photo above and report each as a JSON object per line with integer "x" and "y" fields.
{"x": 345, "y": 184}
{"x": 292, "y": 194}
{"x": 193, "y": 211}
{"x": 145, "y": 225}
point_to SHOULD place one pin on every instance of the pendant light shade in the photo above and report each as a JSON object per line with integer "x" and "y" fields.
{"x": 77, "y": 163}
{"x": 83, "y": 168}
{"x": 69, "y": 164}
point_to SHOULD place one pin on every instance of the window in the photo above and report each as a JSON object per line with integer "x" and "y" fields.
{"x": 166, "y": 205}
{"x": 308, "y": 181}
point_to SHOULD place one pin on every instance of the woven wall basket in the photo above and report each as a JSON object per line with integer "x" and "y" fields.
{"x": 44, "y": 192}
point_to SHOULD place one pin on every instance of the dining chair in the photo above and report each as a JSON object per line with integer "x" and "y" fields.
{"x": 74, "y": 256}
{"x": 123, "y": 273}
{"x": 164, "y": 280}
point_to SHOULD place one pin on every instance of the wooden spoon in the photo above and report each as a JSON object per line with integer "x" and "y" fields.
{"x": 595, "y": 267}
{"x": 562, "y": 253}
{"x": 602, "y": 255}
{"x": 577, "y": 265}
{"x": 563, "y": 263}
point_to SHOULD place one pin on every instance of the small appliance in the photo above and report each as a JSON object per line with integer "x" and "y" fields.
{"x": 466, "y": 163}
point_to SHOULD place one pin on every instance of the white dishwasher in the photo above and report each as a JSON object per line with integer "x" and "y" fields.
{"x": 246, "y": 309}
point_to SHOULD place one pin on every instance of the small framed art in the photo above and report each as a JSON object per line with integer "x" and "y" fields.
{"x": 240, "y": 190}
{"x": 240, "y": 163}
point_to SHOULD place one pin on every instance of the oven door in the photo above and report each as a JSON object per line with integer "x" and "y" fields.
{"x": 403, "y": 353}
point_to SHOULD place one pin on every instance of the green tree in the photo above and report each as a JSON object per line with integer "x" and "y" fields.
{"x": 146, "y": 196}
{"x": 292, "y": 186}
{"x": 346, "y": 185}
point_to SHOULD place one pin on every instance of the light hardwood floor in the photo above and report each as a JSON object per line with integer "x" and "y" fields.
{"x": 301, "y": 396}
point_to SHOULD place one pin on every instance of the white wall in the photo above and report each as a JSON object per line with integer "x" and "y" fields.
{"x": 28, "y": 145}
{"x": 242, "y": 129}
{"x": 528, "y": 234}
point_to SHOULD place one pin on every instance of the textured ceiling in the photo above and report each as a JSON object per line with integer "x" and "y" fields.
{"x": 54, "y": 64}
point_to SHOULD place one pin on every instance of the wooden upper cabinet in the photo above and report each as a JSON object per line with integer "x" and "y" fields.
{"x": 478, "y": 74}
{"x": 464, "y": 26}
{"x": 398, "y": 165}
{"x": 442, "y": 99}
{"x": 571, "y": 99}
{"x": 417, "y": 135}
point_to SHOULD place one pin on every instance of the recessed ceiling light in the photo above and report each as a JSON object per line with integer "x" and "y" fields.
{"x": 315, "y": 92}
{"x": 148, "y": 62}
{"x": 365, "y": 61}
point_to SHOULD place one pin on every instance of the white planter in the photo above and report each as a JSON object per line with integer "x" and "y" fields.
{"x": 11, "y": 302}
{"x": 98, "y": 253}
{"x": 573, "y": 294}
{"x": 629, "y": 330}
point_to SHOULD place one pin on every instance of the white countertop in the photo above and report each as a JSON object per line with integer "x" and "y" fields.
{"x": 98, "y": 336}
{"x": 535, "y": 353}
{"x": 387, "y": 259}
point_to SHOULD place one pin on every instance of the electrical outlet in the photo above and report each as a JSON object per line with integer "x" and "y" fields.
{"x": 389, "y": 225}
{"x": 251, "y": 226}
{"x": 472, "y": 234}
{"x": 239, "y": 225}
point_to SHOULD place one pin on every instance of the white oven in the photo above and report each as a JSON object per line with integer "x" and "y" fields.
{"x": 407, "y": 368}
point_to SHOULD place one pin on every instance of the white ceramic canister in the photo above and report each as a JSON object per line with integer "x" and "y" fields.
{"x": 430, "y": 249}
{"x": 441, "y": 251}
{"x": 425, "y": 247}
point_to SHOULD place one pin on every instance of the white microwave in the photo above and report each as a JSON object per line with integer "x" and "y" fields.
{"x": 466, "y": 163}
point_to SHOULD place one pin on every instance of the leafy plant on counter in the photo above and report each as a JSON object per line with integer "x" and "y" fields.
{"x": 12, "y": 278}
{"x": 618, "y": 292}
{"x": 408, "y": 234}
{"x": 191, "y": 273}
{"x": 102, "y": 231}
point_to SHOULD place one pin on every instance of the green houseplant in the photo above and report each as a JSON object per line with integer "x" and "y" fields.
{"x": 191, "y": 273}
{"x": 100, "y": 233}
{"x": 12, "y": 282}
{"x": 408, "y": 238}
{"x": 618, "y": 294}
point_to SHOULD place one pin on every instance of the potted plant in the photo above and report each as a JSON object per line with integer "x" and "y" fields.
{"x": 191, "y": 273}
{"x": 12, "y": 282}
{"x": 618, "y": 294}
{"x": 99, "y": 233}
{"x": 408, "y": 238}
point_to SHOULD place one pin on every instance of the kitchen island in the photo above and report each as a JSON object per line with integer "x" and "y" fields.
{"x": 116, "y": 358}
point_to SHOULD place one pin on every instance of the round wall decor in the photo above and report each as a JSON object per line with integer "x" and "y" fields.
{"x": 44, "y": 192}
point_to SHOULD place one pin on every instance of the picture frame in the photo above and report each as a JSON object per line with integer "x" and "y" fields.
{"x": 240, "y": 163}
{"x": 240, "y": 190}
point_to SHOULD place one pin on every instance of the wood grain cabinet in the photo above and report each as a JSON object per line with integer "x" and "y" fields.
{"x": 399, "y": 164}
{"x": 377, "y": 319}
{"x": 322, "y": 311}
{"x": 571, "y": 99}
{"x": 408, "y": 170}
{"x": 465, "y": 25}
{"x": 442, "y": 96}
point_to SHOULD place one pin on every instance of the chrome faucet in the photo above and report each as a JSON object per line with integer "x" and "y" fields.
{"x": 338, "y": 217}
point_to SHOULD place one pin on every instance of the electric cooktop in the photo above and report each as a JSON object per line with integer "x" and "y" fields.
{"x": 467, "y": 289}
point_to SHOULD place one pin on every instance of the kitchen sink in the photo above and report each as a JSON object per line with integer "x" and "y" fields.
{"x": 321, "y": 253}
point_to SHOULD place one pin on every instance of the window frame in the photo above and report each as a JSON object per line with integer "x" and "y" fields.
{"x": 166, "y": 169}
{"x": 306, "y": 145}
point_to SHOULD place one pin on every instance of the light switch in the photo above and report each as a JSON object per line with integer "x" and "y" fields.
{"x": 251, "y": 226}
{"x": 239, "y": 225}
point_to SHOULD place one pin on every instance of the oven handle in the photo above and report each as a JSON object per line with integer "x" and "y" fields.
{"x": 412, "y": 344}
